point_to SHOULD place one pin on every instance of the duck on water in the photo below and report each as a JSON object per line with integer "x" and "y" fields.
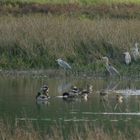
{"x": 43, "y": 94}
{"x": 75, "y": 92}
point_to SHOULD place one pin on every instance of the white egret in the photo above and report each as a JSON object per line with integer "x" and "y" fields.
{"x": 127, "y": 58}
{"x": 63, "y": 64}
{"x": 112, "y": 71}
{"x": 135, "y": 52}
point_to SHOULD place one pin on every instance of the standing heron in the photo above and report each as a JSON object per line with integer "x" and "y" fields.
{"x": 127, "y": 58}
{"x": 135, "y": 52}
{"x": 63, "y": 64}
{"x": 112, "y": 71}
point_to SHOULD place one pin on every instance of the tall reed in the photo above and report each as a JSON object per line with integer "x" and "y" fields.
{"x": 86, "y": 131}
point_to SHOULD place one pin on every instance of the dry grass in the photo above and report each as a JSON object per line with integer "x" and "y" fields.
{"x": 113, "y": 10}
{"x": 86, "y": 132}
{"x": 36, "y": 41}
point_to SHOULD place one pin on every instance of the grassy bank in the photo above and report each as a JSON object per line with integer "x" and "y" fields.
{"x": 36, "y": 41}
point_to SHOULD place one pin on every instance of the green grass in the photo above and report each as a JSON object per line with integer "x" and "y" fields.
{"x": 75, "y": 1}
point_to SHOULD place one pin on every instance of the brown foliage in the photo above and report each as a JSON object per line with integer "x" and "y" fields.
{"x": 103, "y": 10}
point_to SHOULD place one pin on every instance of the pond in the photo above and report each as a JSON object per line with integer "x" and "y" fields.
{"x": 17, "y": 100}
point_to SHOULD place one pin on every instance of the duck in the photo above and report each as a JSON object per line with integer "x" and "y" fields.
{"x": 76, "y": 92}
{"x": 74, "y": 89}
{"x": 43, "y": 94}
{"x": 119, "y": 98}
{"x": 84, "y": 94}
{"x": 45, "y": 90}
{"x": 90, "y": 88}
{"x": 72, "y": 93}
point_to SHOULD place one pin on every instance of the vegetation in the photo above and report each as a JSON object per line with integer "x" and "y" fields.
{"x": 34, "y": 35}
{"x": 86, "y": 131}
{"x": 36, "y": 41}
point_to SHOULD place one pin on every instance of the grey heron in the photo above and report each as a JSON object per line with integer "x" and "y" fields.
{"x": 135, "y": 52}
{"x": 63, "y": 64}
{"x": 127, "y": 58}
{"x": 112, "y": 71}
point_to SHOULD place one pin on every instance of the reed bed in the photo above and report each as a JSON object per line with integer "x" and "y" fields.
{"x": 86, "y": 131}
{"x": 36, "y": 41}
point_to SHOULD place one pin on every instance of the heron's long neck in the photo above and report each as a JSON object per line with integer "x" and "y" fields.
{"x": 106, "y": 63}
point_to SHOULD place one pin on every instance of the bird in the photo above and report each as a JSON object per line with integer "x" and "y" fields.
{"x": 104, "y": 94}
{"x": 90, "y": 88}
{"x": 43, "y": 94}
{"x": 75, "y": 90}
{"x": 135, "y": 52}
{"x": 72, "y": 93}
{"x": 63, "y": 64}
{"x": 119, "y": 98}
{"x": 112, "y": 71}
{"x": 45, "y": 90}
{"x": 127, "y": 58}
{"x": 66, "y": 95}
{"x": 84, "y": 94}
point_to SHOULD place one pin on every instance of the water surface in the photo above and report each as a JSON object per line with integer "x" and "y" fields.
{"x": 17, "y": 100}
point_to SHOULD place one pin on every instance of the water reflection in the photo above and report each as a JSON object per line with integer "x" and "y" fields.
{"x": 39, "y": 102}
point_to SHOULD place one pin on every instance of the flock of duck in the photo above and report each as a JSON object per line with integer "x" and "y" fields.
{"x": 73, "y": 93}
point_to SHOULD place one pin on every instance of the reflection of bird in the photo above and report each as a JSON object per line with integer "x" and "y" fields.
{"x": 63, "y": 64}
{"x": 41, "y": 97}
{"x": 112, "y": 71}
{"x": 127, "y": 58}
{"x": 135, "y": 52}
{"x": 119, "y": 98}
